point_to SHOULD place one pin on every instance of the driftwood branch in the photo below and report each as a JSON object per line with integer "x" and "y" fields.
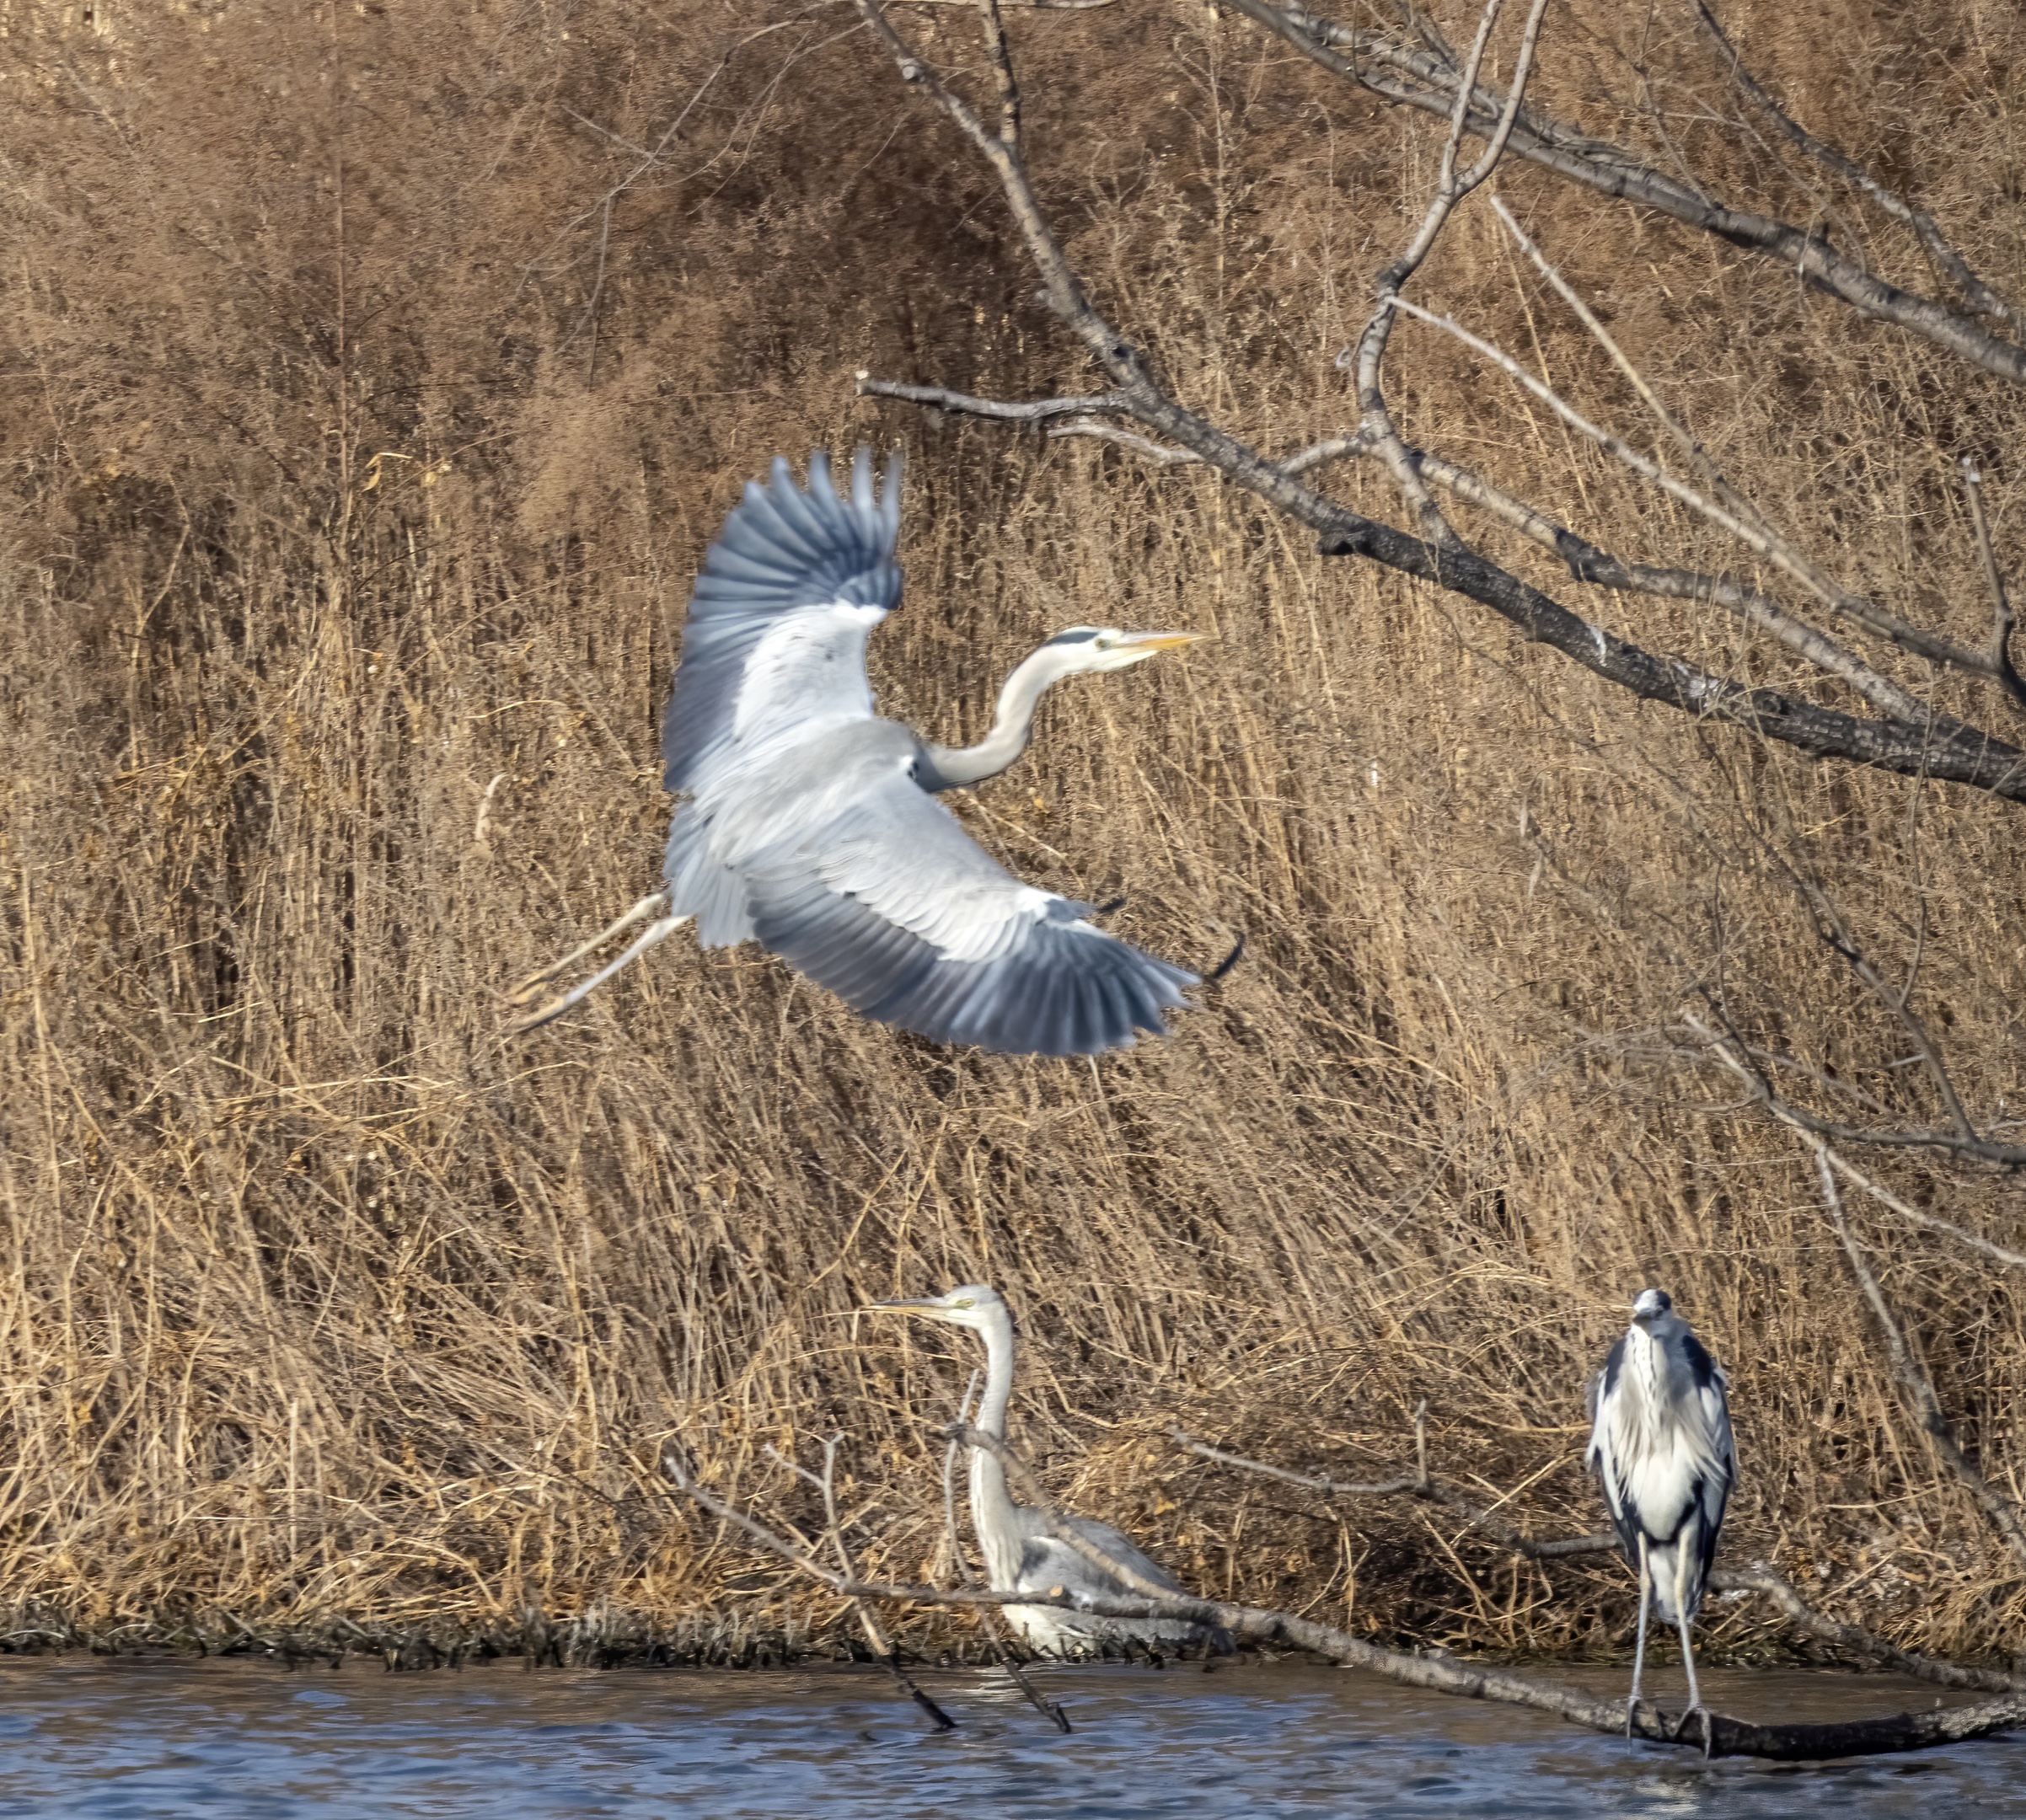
{"x": 1725, "y": 1736}
{"x": 1922, "y": 748}
{"x": 1852, "y": 1639}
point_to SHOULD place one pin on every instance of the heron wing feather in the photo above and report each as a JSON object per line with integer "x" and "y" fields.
{"x": 776, "y": 635}
{"x": 1046, "y": 1560}
{"x": 892, "y": 906}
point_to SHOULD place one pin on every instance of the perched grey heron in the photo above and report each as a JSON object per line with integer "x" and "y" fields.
{"x": 1021, "y": 1555}
{"x": 807, "y": 823}
{"x": 1660, "y": 1441}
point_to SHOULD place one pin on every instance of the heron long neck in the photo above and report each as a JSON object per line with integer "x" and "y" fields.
{"x": 946, "y": 767}
{"x": 992, "y": 1506}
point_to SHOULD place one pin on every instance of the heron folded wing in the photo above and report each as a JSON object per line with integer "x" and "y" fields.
{"x": 893, "y": 907}
{"x": 779, "y": 618}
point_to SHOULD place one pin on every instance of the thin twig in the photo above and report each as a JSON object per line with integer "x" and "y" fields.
{"x": 1417, "y": 1486}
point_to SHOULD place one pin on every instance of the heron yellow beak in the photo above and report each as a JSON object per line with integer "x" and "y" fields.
{"x": 1146, "y": 644}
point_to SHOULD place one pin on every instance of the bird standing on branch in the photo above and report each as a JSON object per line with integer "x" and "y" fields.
{"x": 1660, "y": 1441}
{"x": 1022, "y": 1554}
{"x": 808, "y": 823}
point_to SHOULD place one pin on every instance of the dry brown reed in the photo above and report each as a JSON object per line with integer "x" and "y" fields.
{"x": 374, "y": 380}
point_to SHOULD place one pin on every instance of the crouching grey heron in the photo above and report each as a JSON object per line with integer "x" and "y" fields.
{"x": 1660, "y": 1441}
{"x": 1021, "y": 1554}
{"x": 806, "y": 821}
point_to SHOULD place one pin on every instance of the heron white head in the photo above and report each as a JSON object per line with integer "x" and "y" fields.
{"x": 975, "y": 1305}
{"x": 1099, "y": 648}
{"x": 1650, "y": 1305}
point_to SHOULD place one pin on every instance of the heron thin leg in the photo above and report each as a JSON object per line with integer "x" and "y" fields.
{"x": 1646, "y": 1593}
{"x": 645, "y": 907}
{"x": 1688, "y": 1653}
{"x": 555, "y": 1008}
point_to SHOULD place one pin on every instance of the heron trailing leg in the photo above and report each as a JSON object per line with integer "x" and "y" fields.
{"x": 1646, "y": 1593}
{"x": 655, "y": 932}
{"x": 646, "y": 907}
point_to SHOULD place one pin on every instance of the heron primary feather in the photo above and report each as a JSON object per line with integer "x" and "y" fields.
{"x": 806, "y": 821}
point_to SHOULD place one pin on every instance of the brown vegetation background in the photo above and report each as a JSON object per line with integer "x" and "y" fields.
{"x": 372, "y": 383}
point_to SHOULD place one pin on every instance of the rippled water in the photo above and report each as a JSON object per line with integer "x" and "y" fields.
{"x": 232, "y": 1739}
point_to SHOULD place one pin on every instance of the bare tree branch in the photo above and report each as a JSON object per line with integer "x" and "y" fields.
{"x": 1915, "y": 1381}
{"x": 962, "y": 403}
{"x": 1980, "y": 295}
{"x": 1378, "y": 66}
{"x": 1376, "y": 425}
{"x": 1955, "y": 755}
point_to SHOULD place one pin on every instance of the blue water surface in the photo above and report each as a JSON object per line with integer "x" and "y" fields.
{"x": 115, "y": 1739}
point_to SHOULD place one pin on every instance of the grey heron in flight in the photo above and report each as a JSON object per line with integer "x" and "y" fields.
{"x": 1021, "y": 1554}
{"x": 1660, "y": 1441}
{"x": 807, "y": 823}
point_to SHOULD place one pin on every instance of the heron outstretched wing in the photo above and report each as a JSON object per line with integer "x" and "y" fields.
{"x": 893, "y": 907}
{"x": 775, "y": 637}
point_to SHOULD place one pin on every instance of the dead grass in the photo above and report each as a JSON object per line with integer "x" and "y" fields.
{"x": 332, "y": 679}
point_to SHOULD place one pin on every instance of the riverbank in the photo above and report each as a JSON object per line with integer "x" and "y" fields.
{"x": 344, "y": 548}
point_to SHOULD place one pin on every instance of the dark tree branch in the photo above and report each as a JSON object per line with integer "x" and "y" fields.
{"x": 1585, "y": 561}
{"x": 1955, "y": 755}
{"x": 1979, "y": 295}
{"x": 1377, "y": 66}
{"x": 2002, "y": 616}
